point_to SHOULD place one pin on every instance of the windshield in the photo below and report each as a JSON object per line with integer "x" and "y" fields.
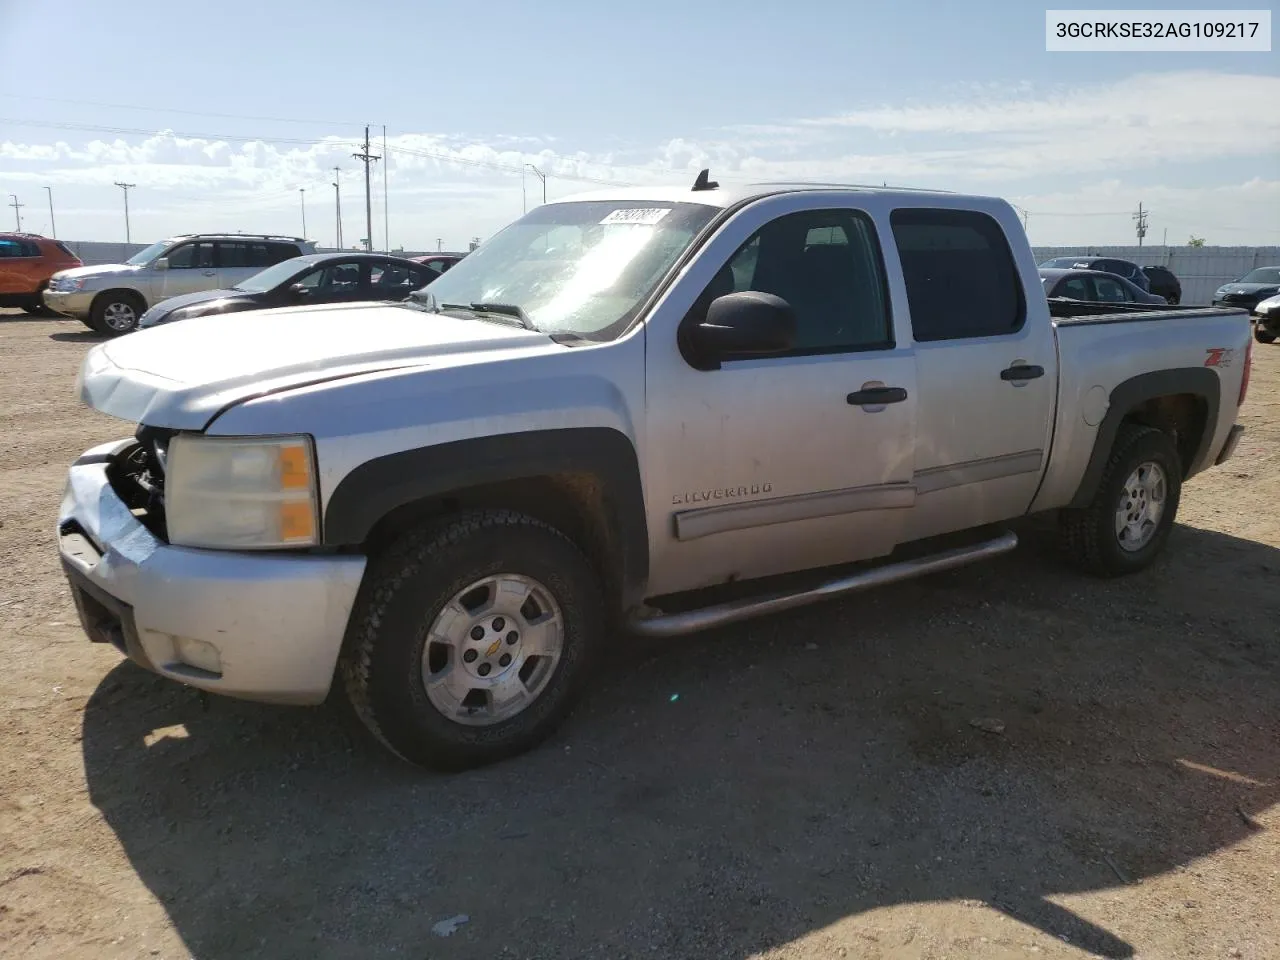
{"x": 270, "y": 278}
{"x": 1063, "y": 262}
{"x": 147, "y": 255}
{"x": 581, "y": 267}
{"x": 1261, "y": 275}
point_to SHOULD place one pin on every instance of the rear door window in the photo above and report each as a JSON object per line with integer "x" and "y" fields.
{"x": 960, "y": 276}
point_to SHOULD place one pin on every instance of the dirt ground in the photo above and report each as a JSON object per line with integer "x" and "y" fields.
{"x": 808, "y": 786}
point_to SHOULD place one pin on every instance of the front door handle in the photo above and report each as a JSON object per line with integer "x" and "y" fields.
{"x": 875, "y": 396}
{"x": 1021, "y": 371}
{"x": 208, "y": 273}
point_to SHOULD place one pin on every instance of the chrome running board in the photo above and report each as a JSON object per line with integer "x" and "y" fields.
{"x": 691, "y": 621}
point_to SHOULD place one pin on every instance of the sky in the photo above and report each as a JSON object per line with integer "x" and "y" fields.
{"x": 232, "y": 116}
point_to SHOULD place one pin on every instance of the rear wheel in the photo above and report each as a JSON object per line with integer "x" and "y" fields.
{"x": 116, "y": 312}
{"x": 472, "y": 639}
{"x": 1125, "y": 526}
{"x": 1262, "y": 334}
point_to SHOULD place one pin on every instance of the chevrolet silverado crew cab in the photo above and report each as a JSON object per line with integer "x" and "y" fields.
{"x": 627, "y": 411}
{"x": 112, "y": 298}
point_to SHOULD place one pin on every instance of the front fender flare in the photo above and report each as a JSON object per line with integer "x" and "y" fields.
{"x": 375, "y": 488}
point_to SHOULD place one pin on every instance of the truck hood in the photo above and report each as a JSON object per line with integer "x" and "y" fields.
{"x": 181, "y": 375}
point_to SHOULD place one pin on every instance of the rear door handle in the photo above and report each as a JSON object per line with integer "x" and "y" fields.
{"x": 1021, "y": 371}
{"x": 875, "y": 396}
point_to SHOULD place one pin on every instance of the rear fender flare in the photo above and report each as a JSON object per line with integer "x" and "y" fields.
{"x": 1129, "y": 394}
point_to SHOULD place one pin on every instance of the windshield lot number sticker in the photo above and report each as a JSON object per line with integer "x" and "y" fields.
{"x": 646, "y": 217}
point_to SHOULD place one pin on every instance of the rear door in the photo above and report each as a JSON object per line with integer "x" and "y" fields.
{"x": 986, "y": 366}
{"x": 241, "y": 259}
{"x": 389, "y": 280}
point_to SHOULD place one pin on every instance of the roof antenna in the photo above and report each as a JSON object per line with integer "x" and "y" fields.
{"x": 704, "y": 181}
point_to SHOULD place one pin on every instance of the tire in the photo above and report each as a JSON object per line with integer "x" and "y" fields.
{"x": 1262, "y": 335}
{"x": 116, "y": 312}
{"x": 407, "y": 595}
{"x": 1089, "y": 534}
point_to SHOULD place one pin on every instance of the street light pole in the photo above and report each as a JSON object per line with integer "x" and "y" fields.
{"x": 53, "y": 227}
{"x": 126, "y": 187}
{"x": 302, "y": 193}
{"x": 541, "y": 176}
{"x": 337, "y": 203}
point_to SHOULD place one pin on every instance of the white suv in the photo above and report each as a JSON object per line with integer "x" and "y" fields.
{"x": 111, "y": 298}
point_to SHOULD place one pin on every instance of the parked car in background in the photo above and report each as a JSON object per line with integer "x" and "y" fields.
{"x": 1266, "y": 320}
{"x": 1120, "y": 268}
{"x": 438, "y": 263}
{"x": 112, "y": 298}
{"x": 313, "y": 279}
{"x": 1095, "y": 287}
{"x": 447, "y": 507}
{"x": 27, "y": 261}
{"x": 1161, "y": 280}
{"x": 1250, "y": 290}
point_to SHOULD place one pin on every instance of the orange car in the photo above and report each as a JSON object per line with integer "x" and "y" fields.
{"x": 27, "y": 261}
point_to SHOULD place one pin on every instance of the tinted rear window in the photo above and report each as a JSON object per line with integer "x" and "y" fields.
{"x": 960, "y": 276}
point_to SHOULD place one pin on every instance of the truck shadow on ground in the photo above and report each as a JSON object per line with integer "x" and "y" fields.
{"x": 726, "y": 794}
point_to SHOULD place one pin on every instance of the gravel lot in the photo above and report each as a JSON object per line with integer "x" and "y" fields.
{"x": 816, "y": 789}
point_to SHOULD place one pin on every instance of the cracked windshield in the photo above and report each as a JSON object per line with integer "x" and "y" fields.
{"x": 581, "y": 267}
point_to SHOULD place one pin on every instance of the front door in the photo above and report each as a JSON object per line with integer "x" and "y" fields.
{"x": 191, "y": 269}
{"x": 987, "y": 368}
{"x": 786, "y": 462}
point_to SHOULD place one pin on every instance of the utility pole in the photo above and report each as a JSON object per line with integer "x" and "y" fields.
{"x": 439, "y": 244}
{"x": 53, "y": 227}
{"x": 13, "y": 197}
{"x": 126, "y": 187}
{"x": 367, "y": 158}
{"x": 337, "y": 203}
{"x": 386, "y": 219}
{"x": 302, "y": 192}
{"x": 1140, "y": 218}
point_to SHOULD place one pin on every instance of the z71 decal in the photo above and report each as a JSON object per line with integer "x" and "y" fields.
{"x": 1219, "y": 357}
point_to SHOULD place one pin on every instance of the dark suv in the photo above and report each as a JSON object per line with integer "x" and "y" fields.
{"x": 1121, "y": 268}
{"x": 1163, "y": 282}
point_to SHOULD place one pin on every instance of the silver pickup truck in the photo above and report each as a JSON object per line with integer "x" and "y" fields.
{"x": 627, "y": 411}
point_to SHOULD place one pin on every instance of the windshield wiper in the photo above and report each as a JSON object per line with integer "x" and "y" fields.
{"x": 499, "y": 309}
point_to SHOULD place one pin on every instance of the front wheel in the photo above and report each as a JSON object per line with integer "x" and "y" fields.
{"x": 116, "y": 312}
{"x": 472, "y": 639}
{"x": 1125, "y": 526}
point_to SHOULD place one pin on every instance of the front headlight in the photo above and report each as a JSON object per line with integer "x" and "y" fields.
{"x": 241, "y": 493}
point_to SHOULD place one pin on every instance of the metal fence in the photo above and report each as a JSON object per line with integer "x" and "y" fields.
{"x": 1201, "y": 270}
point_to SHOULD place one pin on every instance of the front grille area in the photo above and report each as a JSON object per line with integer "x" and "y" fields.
{"x": 137, "y": 477}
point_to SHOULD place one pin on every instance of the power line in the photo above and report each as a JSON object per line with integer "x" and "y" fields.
{"x": 189, "y": 113}
{"x": 151, "y": 132}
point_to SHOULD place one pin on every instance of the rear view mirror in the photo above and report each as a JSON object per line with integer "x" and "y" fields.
{"x": 744, "y": 324}
{"x": 162, "y": 263}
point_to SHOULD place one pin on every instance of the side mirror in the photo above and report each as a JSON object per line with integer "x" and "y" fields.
{"x": 162, "y": 263}
{"x": 744, "y": 324}
{"x": 297, "y": 291}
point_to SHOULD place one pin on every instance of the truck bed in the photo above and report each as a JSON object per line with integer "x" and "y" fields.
{"x": 1101, "y": 345}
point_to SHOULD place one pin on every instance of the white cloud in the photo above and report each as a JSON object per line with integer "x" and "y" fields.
{"x": 1057, "y": 149}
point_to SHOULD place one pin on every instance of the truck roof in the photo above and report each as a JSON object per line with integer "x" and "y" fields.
{"x": 729, "y": 194}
